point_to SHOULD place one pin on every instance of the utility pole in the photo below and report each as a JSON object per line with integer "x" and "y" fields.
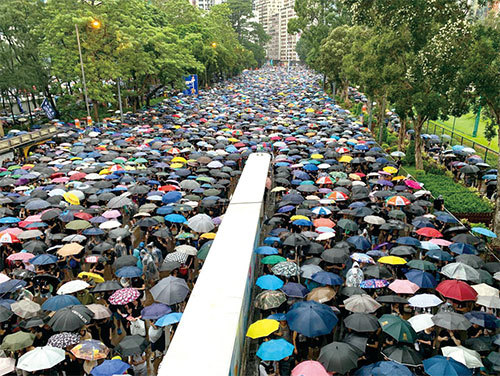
{"x": 120, "y": 99}
{"x": 83, "y": 71}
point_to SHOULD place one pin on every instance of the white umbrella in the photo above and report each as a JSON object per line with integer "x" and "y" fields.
{"x": 325, "y": 236}
{"x": 41, "y": 358}
{"x": 459, "y": 270}
{"x": 74, "y": 238}
{"x": 108, "y": 225}
{"x": 485, "y": 290}
{"x": 488, "y": 301}
{"x": 468, "y": 357}
{"x": 100, "y": 311}
{"x": 187, "y": 249}
{"x": 361, "y": 303}
{"x": 424, "y": 300}
{"x": 307, "y": 271}
{"x": 56, "y": 192}
{"x": 30, "y": 234}
{"x": 201, "y": 223}
{"x": 374, "y": 220}
{"x": 25, "y": 308}
{"x": 72, "y": 287}
{"x": 421, "y": 322}
{"x": 7, "y": 365}
{"x": 177, "y": 256}
{"x": 497, "y": 276}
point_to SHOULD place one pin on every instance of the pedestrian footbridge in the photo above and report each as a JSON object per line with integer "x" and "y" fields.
{"x": 26, "y": 141}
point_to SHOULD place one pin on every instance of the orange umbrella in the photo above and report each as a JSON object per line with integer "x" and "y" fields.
{"x": 69, "y": 249}
{"x": 323, "y": 222}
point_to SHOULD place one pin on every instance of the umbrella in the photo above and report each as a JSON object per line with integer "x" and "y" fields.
{"x": 403, "y": 286}
{"x": 321, "y": 294}
{"x": 338, "y": 357}
{"x": 55, "y": 303}
{"x": 309, "y": 368}
{"x": 262, "y": 328}
{"x": 421, "y": 322}
{"x": 107, "y": 286}
{"x": 201, "y": 223}
{"x": 44, "y": 357}
{"x": 327, "y": 278}
{"x": 17, "y": 341}
{"x": 5, "y": 313}
{"x": 468, "y": 357}
{"x": 286, "y": 269}
{"x": 269, "y": 299}
{"x": 458, "y": 270}
{"x": 131, "y": 345}
{"x": 442, "y": 366}
{"x": 399, "y": 329}
{"x": 170, "y": 290}
{"x": 25, "y": 308}
{"x": 361, "y": 322}
{"x": 7, "y": 365}
{"x": 384, "y": 368}
{"x": 421, "y": 279}
{"x": 129, "y": 272}
{"x": 403, "y": 355}
{"x": 72, "y": 287}
{"x": 295, "y": 290}
{"x": 123, "y": 261}
{"x": 269, "y": 282}
{"x": 488, "y": 301}
{"x": 124, "y": 296}
{"x": 70, "y": 318}
{"x": 361, "y": 304}
{"x": 457, "y": 290}
{"x": 155, "y": 311}
{"x": 275, "y": 350}
{"x": 110, "y": 367}
{"x": 424, "y": 301}
{"x": 90, "y": 349}
{"x": 100, "y": 311}
{"x": 311, "y": 318}
{"x": 451, "y": 321}
{"x": 169, "y": 319}
{"x": 64, "y": 339}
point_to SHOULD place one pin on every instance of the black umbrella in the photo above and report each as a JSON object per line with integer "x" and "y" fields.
{"x": 35, "y": 246}
{"x": 403, "y": 355}
{"x": 451, "y": 321}
{"x": 361, "y": 322}
{"x": 402, "y": 250}
{"x": 70, "y": 318}
{"x": 101, "y": 247}
{"x": 352, "y": 290}
{"x": 107, "y": 286}
{"x": 5, "y": 314}
{"x": 480, "y": 344}
{"x": 377, "y": 271}
{"x": 127, "y": 260}
{"x": 392, "y": 299}
{"x": 147, "y": 222}
{"x": 296, "y": 240}
{"x": 131, "y": 345}
{"x": 33, "y": 322}
{"x": 357, "y": 341}
{"x": 339, "y": 357}
{"x": 335, "y": 255}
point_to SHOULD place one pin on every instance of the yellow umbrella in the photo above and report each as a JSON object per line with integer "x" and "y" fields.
{"x": 345, "y": 159}
{"x": 310, "y": 110}
{"x": 71, "y": 198}
{"x": 104, "y": 172}
{"x": 317, "y": 156}
{"x": 176, "y": 165}
{"x": 392, "y": 260}
{"x": 397, "y": 178}
{"x": 232, "y": 139}
{"x": 390, "y": 169}
{"x": 354, "y": 177}
{"x": 262, "y": 328}
{"x": 179, "y": 159}
{"x": 69, "y": 249}
{"x": 208, "y": 235}
{"x": 297, "y": 217}
{"x": 96, "y": 277}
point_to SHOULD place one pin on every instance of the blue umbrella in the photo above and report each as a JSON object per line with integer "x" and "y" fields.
{"x": 11, "y": 285}
{"x": 169, "y": 319}
{"x": 461, "y": 248}
{"x": 266, "y": 250}
{"x": 171, "y": 197}
{"x": 43, "y": 260}
{"x": 441, "y": 366}
{"x": 439, "y": 254}
{"x": 311, "y": 318}
{"x": 447, "y": 218}
{"x": 269, "y": 282}
{"x": 129, "y": 272}
{"x": 360, "y": 242}
{"x": 384, "y": 368}
{"x": 6, "y": 302}
{"x": 155, "y": 311}
{"x": 408, "y": 240}
{"x": 295, "y": 290}
{"x": 286, "y": 209}
{"x": 272, "y": 240}
{"x": 486, "y": 320}
{"x": 110, "y": 367}
{"x": 421, "y": 278}
{"x": 57, "y": 302}
{"x": 8, "y": 220}
{"x": 277, "y": 316}
{"x": 93, "y": 231}
{"x": 175, "y": 218}
{"x": 275, "y": 350}
{"x": 164, "y": 210}
{"x": 327, "y": 278}
{"x": 484, "y": 231}
{"x": 302, "y": 222}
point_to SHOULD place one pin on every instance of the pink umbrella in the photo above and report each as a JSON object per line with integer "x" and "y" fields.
{"x": 403, "y": 286}
{"x": 441, "y": 242}
{"x": 60, "y": 180}
{"x": 413, "y": 184}
{"x": 124, "y": 296}
{"x": 34, "y": 218}
{"x": 21, "y": 256}
{"x": 110, "y": 214}
{"x": 309, "y": 368}
{"x": 13, "y": 231}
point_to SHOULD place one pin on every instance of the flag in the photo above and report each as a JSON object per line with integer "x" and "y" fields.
{"x": 49, "y": 110}
{"x": 20, "y": 105}
{"x": 191, "y": 85}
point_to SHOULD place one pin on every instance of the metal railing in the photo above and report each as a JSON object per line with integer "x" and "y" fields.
{"x": 8, "y": 144}
{"x": 489, "y": 155}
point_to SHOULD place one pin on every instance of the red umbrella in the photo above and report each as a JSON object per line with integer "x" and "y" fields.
{"x": 8, "y": 238}
{"x": 429, "y": 232}
{"x": 83, "y": 215}
{"x": 457, "y": 290}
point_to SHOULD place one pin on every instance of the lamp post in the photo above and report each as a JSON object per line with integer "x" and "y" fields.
{"x": 96, "y": 24}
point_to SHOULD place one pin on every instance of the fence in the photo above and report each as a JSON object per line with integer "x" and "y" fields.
{"x": 489, "y": 155}
{"x": 11, "y": 143}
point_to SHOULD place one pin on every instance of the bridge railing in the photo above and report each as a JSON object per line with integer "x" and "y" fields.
{"x": 8, "y": 144}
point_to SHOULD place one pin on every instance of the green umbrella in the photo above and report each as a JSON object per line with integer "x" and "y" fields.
{"x": 205, "y": 248}
{"x": 422, "y": 265}
{"x": 268, "y": 299}
{"x": 17, "y": 341}
{"x": 273, "y": 259}
{"x": 78, "y": 224}
{"x": 348, "y": 224}
{"x": 401, "y": 330}
{"x": 141, "y": 160}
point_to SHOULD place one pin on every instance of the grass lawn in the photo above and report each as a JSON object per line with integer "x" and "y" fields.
{"x": 464, "y": 125}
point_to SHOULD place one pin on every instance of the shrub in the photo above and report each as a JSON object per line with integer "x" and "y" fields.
{"x": 409, "y": 159}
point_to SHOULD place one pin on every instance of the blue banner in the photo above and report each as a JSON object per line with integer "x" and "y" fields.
{"x": 191, "y": 85}
{"x": 20, "y": 105}
{"x": 49, "y": 110}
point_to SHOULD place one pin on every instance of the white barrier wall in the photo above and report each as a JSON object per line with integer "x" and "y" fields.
{"x": 209, "y": 339}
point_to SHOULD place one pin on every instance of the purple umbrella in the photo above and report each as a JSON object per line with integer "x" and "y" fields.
{"x": 155, "y": 311}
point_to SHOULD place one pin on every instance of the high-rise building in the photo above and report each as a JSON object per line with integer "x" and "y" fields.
{"x": 274, "y": 15}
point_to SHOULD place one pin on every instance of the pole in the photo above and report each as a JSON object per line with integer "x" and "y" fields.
{"x": 83, "y": 71}
{"x": 120, "y": 99}
{"x": 454, "y": 120}
{"x": 29, "y": 109}
{"x": 476, "y": 122}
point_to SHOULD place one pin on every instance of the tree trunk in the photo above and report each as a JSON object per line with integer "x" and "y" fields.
{"x": 33, "y": 98}
{"x": 496, "y": 218}
{"x": 96, "y": 110}
{"x": 69, "y": 88}
{"x": 401, "y": 134}
{"x": 419, "y": 163}
{"x": 370, "y": 114}
{"x": 380, "y": 119}
{"x": 333, "y": 89}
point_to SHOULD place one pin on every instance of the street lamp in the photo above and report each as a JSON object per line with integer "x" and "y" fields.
{"x": 95, "y": 24}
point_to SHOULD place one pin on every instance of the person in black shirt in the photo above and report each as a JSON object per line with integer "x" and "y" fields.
{"x": 425, "y": 341}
